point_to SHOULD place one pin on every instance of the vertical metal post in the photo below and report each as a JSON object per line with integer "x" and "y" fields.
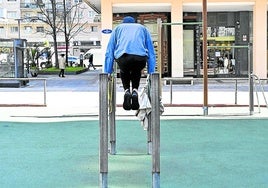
{"x": 236, "y": 91}
{"x": 159, "y": 45}
{"x": 250, "y": 78}
{"x": 171, "y": 91}
{"x": 205, "y": 71}
{"x": 45, "y": 92}
{"x": 149, "y": 135}
{"x": 112, "y": 107}
{"x": 159, "y": 52}
{"x": 103, "y": 123}
{"x": 155, "y": 125}
{"x": 19, "y": 24}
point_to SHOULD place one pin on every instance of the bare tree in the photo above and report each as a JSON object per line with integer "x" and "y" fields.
{"x": 48, "y": 14}
{"x": 72, "y": 22}
{"x": 60, "y": 16}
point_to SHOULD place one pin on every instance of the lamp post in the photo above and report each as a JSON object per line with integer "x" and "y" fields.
{"x": 19, "y": 21}
{"x": 4, "y": 19}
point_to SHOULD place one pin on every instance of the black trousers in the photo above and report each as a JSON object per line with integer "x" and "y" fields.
{"x": 61, "y": 72}
{"x": 130, "y": 69}
{"x": 91, "y": 65}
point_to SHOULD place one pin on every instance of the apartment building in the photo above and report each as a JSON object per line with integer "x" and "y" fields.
{"x": 18, "y": 19}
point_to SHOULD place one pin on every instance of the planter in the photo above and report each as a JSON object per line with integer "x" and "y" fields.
{"x": 34, "y": 71}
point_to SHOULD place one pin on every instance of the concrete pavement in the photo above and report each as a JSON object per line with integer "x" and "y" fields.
{"x": 76, "y": 97}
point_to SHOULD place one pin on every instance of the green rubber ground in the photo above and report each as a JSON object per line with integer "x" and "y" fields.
{"x": 194, "y": 153}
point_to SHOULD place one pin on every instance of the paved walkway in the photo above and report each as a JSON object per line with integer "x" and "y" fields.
{"x": 76, "y": 97}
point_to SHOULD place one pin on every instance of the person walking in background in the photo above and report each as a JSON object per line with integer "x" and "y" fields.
{"x": 61, "y": 65}
{"x": 225, "y": 64}
{"x": 131, "y": 46}
{"x": 90, "y": 62}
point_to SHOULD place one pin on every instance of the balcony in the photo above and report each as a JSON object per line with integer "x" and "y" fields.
{"x": 28, "y": 5}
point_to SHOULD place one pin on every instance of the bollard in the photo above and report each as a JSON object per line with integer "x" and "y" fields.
{"x": 103, "y": 123}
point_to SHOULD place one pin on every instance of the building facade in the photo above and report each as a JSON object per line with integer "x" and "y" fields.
{"x": 231, "y": 23}
{"x": 234, "y": 26}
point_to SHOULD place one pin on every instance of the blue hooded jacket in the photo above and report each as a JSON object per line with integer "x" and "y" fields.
{"x": 128, "y": 19}
{"x": 130, "y": 38}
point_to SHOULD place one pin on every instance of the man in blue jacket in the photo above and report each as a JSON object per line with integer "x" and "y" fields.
{"x": 131, "y": 46}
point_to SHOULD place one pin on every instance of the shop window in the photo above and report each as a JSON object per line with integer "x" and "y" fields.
{"x": 222, "y": 19}
{"x": 212, "y": 19}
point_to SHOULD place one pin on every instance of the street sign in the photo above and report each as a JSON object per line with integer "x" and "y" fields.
{"x": 106, "y": 31}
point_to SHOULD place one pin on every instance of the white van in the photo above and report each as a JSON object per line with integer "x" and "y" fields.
{"x": 98, "y": 58}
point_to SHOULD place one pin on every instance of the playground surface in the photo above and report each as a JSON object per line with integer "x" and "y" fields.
{"x": 57, "y": 145}
{"x": 194, "y": 153}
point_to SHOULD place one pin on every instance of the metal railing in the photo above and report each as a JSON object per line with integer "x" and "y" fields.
{"x": 235, "y": 80}
{"x": 254, "y": 86}
{"x": 257, "y": 82}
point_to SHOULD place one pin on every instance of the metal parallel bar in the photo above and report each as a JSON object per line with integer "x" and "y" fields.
{"x": 183, "y": 23}
{"x": 112, "y": 116}
{"x": 234, "y": 46}
{"x": 155, "y": 125}
{"x": 149, "y": 136}
{"x": 103, "y": 124}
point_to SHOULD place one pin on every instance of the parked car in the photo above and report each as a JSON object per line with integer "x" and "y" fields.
{"x": 73, "y": 61}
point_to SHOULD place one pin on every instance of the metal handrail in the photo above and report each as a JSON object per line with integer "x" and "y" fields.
{"x": 256, "y": 78}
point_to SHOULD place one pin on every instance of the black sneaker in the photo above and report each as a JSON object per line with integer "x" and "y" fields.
{"x": 127, "y": 100}
{"x": 135, "y": 100}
